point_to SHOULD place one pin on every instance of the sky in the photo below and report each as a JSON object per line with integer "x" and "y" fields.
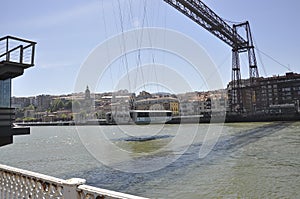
{"x": 68, "y": 31}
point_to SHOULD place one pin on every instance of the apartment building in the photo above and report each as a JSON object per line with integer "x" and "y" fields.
{"x": 277, "y": 94}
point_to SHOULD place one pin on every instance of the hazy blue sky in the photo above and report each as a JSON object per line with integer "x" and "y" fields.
{"x": 68, "y": 30}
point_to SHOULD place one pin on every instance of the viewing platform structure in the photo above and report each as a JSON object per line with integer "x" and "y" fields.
{"x": 16, "y": 55}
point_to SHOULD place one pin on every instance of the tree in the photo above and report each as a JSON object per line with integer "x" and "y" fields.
{"x": 76, "y": 106}
{"x": 68, "y": 105}
{"x": 30, "y": 107}
{"x": 63, "y": 117}
{"x": 57, "y": 105}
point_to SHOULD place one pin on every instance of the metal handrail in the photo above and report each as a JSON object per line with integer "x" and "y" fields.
{"x": 18, "y": 39}
{"x": 7, "y": 53}
{"x": 22, "y": 48}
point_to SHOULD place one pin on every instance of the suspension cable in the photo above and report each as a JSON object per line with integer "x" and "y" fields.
{"x": 270, "y": 57}
{"x": 124, "y": 46}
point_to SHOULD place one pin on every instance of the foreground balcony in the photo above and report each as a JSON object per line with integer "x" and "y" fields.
{"x": 18, "y": 183}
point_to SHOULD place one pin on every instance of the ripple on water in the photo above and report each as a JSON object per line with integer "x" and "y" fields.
{"x": 251, "y": 160}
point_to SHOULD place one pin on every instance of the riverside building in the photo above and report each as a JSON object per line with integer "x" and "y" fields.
{"x": 270, "y": 95}
{"x": 161, "y": 103}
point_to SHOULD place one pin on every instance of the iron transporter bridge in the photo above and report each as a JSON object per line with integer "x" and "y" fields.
{"x": 201, "y": 14}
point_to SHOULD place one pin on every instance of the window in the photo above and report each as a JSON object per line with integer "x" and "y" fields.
{"x": 5, "y": 93}
{"x": 288, "y": 93}
{"x": 286, "y": 89}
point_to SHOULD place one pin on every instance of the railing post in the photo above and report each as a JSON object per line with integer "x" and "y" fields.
{"x": 32, "y": 54}
{"x": 7, "y": 47}
{"x": 70, "y": 188}
{"x": 8, "y": 56}
{"x": 21, "y": 54}
{"x": 7, "y": 44}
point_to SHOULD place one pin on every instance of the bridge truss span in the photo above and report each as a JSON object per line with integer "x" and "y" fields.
{"x": 200, "y": 13}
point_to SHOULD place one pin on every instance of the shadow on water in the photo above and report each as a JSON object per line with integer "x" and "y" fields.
{"x": 145, "y": 138}
{"x": 108, "y": 178}
{"x": 244, "y": 138}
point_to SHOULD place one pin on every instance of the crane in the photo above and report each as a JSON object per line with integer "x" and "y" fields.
{"x": 200, "y": 13}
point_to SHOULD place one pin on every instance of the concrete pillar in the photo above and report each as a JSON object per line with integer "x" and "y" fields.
{"x": 70, "y": 188}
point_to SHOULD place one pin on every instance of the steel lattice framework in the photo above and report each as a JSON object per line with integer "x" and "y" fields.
{"x": 197, "y": 11}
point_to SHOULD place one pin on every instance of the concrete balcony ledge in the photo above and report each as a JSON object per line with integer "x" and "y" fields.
{"x": 20, "y": 130}
{"x": 10, "y": 69}
{"x": 18, "y": 183}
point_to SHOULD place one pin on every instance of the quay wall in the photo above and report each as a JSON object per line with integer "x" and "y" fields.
{"x": 229, "y": 118}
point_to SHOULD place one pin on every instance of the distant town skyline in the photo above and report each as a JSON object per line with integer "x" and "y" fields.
{"x": 67, "y": 31}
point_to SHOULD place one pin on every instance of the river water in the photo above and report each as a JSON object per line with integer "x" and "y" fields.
{"x": 249, "y": 160}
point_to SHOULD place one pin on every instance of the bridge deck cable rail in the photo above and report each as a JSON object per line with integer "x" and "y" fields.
{"x": 18, "y": 183}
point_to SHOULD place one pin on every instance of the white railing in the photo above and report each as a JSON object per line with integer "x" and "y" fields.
{"x": 17, "y": 183}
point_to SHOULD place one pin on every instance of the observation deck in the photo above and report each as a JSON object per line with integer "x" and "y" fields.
{"x": 16, "y": 55}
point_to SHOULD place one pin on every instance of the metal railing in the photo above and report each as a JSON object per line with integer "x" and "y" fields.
{"x": 13, "y": 49}
{"x": 18, "y": 183}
